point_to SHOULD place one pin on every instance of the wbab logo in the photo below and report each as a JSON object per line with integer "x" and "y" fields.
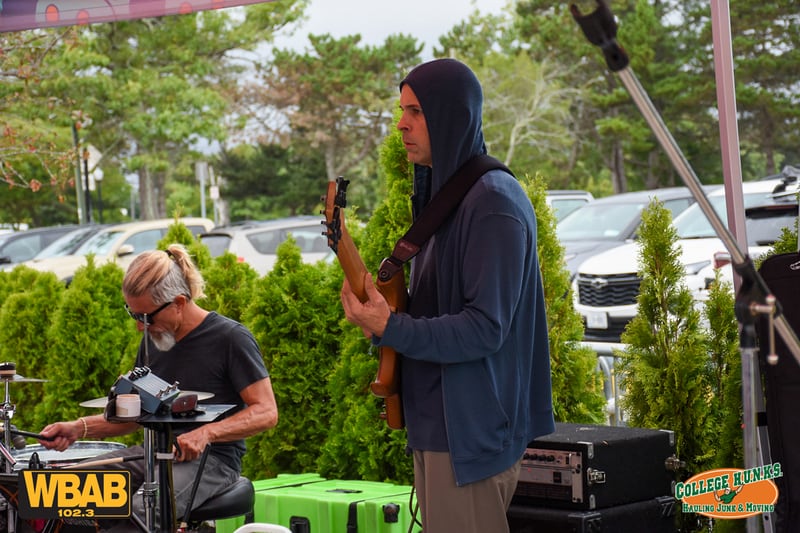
{"x": 74, "y": 494}
{"x": 730, "y": 492}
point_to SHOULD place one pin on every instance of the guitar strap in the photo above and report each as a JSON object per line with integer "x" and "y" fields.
{"x": 436, "y": 212}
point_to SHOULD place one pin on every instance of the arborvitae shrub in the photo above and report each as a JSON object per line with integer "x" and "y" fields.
{"x": 178, "y": 233}
{"x": 363, "y": 446}
{"x": 25, "y": 317}
{"x": 665, "y": 368}
{"x": 577, "y": 383}
{"x": 230, "y": 286}
{"x": 90, "y": 340}
{"x": 726, "y": 379}
{"x": 295, "y": 316}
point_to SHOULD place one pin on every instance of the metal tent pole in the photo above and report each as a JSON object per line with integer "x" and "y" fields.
{"x": 753, "y": 297}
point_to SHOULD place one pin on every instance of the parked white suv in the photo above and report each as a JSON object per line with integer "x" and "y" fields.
{"x": 256, "y": 243}
{"x": 564, "y": 201}
{"x": 606, "y": 285}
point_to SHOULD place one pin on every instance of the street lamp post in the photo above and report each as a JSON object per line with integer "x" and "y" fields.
{"x": 78, "y": 178}
{"x": 86, "y": 185}
{"x": 98, "y": 179}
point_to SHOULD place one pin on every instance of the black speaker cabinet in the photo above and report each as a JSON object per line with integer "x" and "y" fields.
{"x": 656, "y": 515}
{"x": 585, "y": 467}
{"x": 781, "y": 273}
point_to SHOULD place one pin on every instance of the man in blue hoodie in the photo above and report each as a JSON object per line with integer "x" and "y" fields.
{"x": 475, "y": 366}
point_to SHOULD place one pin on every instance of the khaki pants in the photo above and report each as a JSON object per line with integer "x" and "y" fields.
{"x": 478, "y": 507}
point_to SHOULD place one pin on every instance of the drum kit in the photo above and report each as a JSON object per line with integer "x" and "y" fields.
{"x": 16, "y": 455}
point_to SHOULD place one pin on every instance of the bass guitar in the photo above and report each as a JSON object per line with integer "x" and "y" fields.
{"x": 387, "y": 380}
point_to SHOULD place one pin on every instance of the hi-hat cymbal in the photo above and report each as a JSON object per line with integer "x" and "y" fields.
{"x": 102, "y": 402}
{"x": 16, "y": 378}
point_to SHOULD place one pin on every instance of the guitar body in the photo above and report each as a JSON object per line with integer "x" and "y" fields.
{"x": 387, "y": 380}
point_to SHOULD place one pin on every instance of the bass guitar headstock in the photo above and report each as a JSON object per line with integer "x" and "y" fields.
{"x": 335, "y": 200}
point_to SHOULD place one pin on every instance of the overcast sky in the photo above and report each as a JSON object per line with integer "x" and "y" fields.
{"x": 426, "y": 20}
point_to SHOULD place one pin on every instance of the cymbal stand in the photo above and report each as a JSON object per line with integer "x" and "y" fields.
{"x": 150, "y": 487}
{"x": 7, "y": 411}
{"x": 9, "y": 461}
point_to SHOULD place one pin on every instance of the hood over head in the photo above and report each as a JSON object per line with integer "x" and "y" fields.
{"x": 451, "y": 99}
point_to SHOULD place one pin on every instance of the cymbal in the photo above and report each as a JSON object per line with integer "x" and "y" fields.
{"x": 16, "y": 378}
{"x": 102, "y": 402}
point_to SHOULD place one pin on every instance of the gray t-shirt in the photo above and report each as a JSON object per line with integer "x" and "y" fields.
{"x": 219, "y": 356}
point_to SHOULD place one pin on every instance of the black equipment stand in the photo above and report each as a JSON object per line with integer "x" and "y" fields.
{"x": 161, "y": 427}
{"x": 753, "y": 298}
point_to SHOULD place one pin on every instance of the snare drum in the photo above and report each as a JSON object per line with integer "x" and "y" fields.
{"x": 79, "y": 451}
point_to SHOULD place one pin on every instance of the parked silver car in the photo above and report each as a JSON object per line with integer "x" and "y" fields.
{"x": 119, "y": 243}
{"x": 611, "y": 221}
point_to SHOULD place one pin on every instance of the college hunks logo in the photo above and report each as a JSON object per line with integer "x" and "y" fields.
{"x": 730, "y": 492}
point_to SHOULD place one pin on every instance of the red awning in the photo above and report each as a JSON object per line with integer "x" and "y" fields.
{"x": 28, "y": 14}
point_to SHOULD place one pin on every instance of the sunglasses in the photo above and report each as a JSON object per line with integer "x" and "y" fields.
{"x": 146, "y": 318}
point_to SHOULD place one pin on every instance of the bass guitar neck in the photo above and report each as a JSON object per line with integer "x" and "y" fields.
{"x": 387, "y": 379}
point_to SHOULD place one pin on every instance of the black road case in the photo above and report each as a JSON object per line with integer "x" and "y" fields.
{"x": 584, "y": 466}
{"x": 656, "y": 515}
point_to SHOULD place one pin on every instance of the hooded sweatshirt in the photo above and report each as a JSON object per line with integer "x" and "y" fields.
{"x": 475, "y": 354}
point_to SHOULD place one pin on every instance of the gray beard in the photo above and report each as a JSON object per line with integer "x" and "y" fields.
{"x": 163, "y": 341}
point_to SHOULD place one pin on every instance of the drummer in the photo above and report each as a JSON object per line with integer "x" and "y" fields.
{"x": 202, "y": 351}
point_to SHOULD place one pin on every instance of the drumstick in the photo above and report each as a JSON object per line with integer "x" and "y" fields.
{"x": 31, "y": 435}
{"x": 101, "y": 462}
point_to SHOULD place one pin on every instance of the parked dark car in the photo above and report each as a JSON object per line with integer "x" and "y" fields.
{"x": 24, "y": 245}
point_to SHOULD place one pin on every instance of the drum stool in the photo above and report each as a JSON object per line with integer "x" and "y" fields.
{"x": 237, "y": 500}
